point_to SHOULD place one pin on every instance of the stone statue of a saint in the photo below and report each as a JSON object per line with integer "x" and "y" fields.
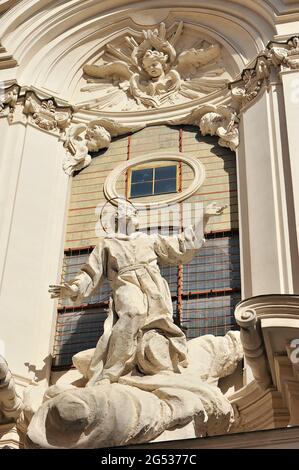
{"x": 139, "y": 333}
{"x": 141, "y": 379}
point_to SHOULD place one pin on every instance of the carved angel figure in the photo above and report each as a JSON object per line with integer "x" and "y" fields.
{"x": 212, "y": 120}
{"x": 223, "y": 122}
{"x": 80, "y": 140}
{"x": 152, "y": 73}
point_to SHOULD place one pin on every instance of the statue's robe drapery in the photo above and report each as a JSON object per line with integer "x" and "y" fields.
{"x": 141, "y": 299}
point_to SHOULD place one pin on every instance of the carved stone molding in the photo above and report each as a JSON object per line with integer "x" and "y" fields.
{"x": 10, "y": 436}
{"x": 269, "y": 333}
{"x": 252, "y": 81}
{"x": 279, "y": 56}
{"x": 285, "y": 54}
{"x": 46, "y": 113}
{"x": 43, "y": 113}
{"x": 198, "y": 179}
{"x": 254, "y": 349}
{"x": 153, "y": 48}
{"x": 8, "y": 101}
{"x": 5, "y": 5}
{"x": 80, "y": 139}
{"x": 256, "y": 408}
{"x": 6, "y": 60}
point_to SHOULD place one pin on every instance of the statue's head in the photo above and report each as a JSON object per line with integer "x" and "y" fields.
{"x": 154, "y": 63}
{"x": 126, "y": 218}
{"x": 97, "y": 137}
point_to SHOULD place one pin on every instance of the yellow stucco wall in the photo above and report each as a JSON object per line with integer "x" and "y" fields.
{"x": 87, "y": 186}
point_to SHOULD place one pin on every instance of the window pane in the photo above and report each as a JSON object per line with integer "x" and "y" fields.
{"x": 211, "y": 315}
{"x": 165, "y": 172}
{"x": 165, "y": 186}
{"x": 141, "y": 189}
{"x": 215, "y": 266}
{"x": 139, "y": 176}
{"x": 76, "y": 331}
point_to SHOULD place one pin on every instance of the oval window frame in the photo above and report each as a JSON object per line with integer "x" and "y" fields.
{"x": 196, "y": 166}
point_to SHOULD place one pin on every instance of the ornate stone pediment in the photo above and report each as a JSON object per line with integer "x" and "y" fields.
{"x": 155, "y": 68}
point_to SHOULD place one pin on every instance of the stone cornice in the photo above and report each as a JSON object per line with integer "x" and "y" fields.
{"x": 269, "y": 333}
{"x": 6, "y": 60}
{"x": 277, "y": 57}
{"x": 79, "y": 139}
{"x": 261, "y": 320}
{"x": 26, "y": 106}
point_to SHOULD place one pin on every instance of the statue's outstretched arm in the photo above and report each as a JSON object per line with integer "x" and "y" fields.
{"x": 85, "y": 282}
{"x": 183, "y": 247}
{"x": 63, "y": 291}
{"x": 210, "y": 210}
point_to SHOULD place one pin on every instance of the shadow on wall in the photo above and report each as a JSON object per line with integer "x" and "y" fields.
{"x": 221, "y": 152}
{"x": 40, "y": 374}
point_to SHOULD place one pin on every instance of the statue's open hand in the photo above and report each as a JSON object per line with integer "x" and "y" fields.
{"x": 214, "y": 209}
{"x": 63, "y": 291}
